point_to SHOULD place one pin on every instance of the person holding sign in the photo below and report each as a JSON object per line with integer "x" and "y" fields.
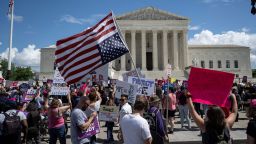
{"x": 215, "y": 128}
{"x": 80, "y": 122}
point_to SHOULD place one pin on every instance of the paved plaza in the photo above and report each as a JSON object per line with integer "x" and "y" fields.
{"x": 181, "y": 136}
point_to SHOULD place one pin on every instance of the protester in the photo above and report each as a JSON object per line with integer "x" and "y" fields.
{"x": 134, "y": 127}
{"x": 11, "y": 131}
{"x": 183, "y": 109}
{"x": 110, "y": 124}
{"x": 33, "y": 119}
{"x": 80, "y": 122}
{"x": 251, "y": 128}
{"x": 125, "y": 107}
{"x": 94, "y": 106}
{"x": 56, "y": 122}
{"x": 156, "y": 122}
{"x": 215, "y": 128}
{"x": 171, "y": 108}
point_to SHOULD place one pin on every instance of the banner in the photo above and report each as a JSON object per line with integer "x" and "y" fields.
{"x": 93, "y": 129}
{"x": 57, "y": 78}
{"x": 128, "y": 89}
{"x": 108, "y": 113}
{"x": 59, "y": 90}
{"x": 148, "y": 85}
{"x": 132, "y": 73}
{"x": 210, "y": 86}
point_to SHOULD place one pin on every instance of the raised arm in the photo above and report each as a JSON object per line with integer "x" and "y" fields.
{"x": 198, "y": 120}
{"x": 232, "y": 117}
{"x": 90, "y": 120}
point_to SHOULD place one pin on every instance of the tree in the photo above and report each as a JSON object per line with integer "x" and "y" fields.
{"x": 17, "y": 73}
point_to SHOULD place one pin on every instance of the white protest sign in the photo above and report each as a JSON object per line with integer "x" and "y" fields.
{"x": 108, "y": 113}
{"x": 30, "y": 94}
{"x": 59, "y": 90}
{"x": 57, "y": 78}
{"x": 59, "y": 86}
{"x": 132, "y": 73}
{"x": 127, "y": 89}
{"x": 148, "y": 85}
{"x": 100, "y": 74}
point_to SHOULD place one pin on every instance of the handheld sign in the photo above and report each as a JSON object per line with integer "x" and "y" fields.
{"x": 210, "y": 86}
{"x": 128, "y": 89}
{"x": 108, "y": 113}
{"x": 148, "y": 85}
{"x": 93, "y": 129}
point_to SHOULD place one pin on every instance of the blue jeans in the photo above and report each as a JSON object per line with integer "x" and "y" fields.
{"x": 184, "y": 113}
{"x": 110, "y": 126}
{"x": 56, "y": 133}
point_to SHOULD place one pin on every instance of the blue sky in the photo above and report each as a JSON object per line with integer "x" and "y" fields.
{"x": 40, "y": 23}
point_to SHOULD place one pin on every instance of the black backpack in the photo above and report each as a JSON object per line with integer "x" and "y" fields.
{"x": 11, "y": 124}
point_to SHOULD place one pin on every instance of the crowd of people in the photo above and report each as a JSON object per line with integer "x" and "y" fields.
{"x": 148, "y": 120}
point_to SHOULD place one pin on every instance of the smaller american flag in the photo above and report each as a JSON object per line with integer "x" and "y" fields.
{"x": 78, "y": 55}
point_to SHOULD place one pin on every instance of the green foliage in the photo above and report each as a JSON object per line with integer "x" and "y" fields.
{"x": 17, "y": 73}
{"x": 254, "y": 73}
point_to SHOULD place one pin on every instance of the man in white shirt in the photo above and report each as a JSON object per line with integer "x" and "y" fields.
{"x": 135, "y": 128}
{"x": 125, "y": 107}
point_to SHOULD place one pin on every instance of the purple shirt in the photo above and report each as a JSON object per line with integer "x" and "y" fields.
{"x": 160, "y": 121}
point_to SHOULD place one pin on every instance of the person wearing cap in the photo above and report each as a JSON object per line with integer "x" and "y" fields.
{"x": 158, "y": 133}
{"x": 251, "y": 128}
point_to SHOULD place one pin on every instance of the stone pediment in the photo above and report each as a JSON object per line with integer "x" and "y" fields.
{"x": 150, "y": 13}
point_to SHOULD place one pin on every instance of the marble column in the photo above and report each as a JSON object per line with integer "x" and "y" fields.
{"x": 133, "y": 45}
{"x": 143, "y": 52}
{"x": 185, "y": 48}
{"x": 123, "y": 67}
{"x": 165, "y": 49}
{"x": 155, "y": 55}
{"x": 175, "y": 50}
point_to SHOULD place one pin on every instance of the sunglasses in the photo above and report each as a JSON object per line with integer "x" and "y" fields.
{"x": 122, "y": 99}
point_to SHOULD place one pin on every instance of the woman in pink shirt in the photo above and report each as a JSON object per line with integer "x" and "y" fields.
{"x": 171, "y": 107}
{"x": 56, "y": 122}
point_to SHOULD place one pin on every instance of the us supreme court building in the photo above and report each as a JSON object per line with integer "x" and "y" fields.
{"x": 157, "y": 38}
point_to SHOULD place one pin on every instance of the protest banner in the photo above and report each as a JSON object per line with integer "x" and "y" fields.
{"x": 210, "y": 86}
{"x": 132, "y": 73}
{"x": 100, "y": 74}
{"x": 57, "y": 78}
{"x": 30, "y": 94}
{"x": 148, "y": 85}
{"x": 128, "y": 89}
{"x": 108, "y": 113}
{"x": 59, "y": 91}
{"x": 93, "y": 129}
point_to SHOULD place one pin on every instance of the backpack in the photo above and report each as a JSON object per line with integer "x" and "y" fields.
{"x": 11, "y": 124}
{"x": 223, "y": 138}
{"x": 152, "y": 119}
{"x": 33, "y": 119}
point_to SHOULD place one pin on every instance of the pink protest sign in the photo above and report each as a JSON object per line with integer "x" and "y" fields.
{"x": 93, "y": 129}
{"x": 210, "y": 86}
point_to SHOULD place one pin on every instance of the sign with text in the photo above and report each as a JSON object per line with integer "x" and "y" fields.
{"x": 100, "y": 74}
{"x": 57, "y": 78}
{"x": 148, "y": 85}
{"x": 59, "y": 90}
{"x": 108, "y": 113}
{"x": 132, "y": 73}
{"x": 210, "y": 86}
{"x": 93, "y": 129}
{"x": 128, "y": 89}
{"x": 30, "y": 94}
{"x": 59, "y": 86}
{"x": 168, "y": 70}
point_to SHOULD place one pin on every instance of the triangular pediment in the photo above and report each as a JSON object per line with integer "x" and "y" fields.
{"x": 150, "y": 13}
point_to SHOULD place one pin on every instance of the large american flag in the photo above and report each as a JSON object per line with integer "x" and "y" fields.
{"x": 82, "y": 53}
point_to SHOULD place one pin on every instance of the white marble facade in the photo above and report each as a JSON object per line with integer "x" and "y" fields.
{"x": 156, "y": 38}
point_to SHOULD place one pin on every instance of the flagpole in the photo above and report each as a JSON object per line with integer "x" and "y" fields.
{"x": 128, "y": 50}
{"x": 10, "y": 46}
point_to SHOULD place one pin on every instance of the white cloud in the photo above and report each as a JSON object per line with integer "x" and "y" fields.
{"x": 16, "y": 18}
{"x": 1, "y": 43}
{"x": 29, "y": 56}
{"x": 71, "y": 19}
{"x": 244, "y": 29}
{"x": 229, "y": 37}
{"x": 193, "y": 27}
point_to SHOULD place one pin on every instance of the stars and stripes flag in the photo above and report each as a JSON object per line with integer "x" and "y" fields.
{"x": 78, "y": 55}
{"x": 10, "y": 6}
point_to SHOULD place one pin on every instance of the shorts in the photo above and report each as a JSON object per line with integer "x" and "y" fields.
{"x": 171, "y": 113}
